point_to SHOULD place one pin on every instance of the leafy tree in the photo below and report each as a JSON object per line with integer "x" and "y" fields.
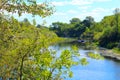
{"x": 20, "y": 43}
{"x": 24, "y": 50}
{"x": 24, "y": 53}
{"x": 110, "y": 38}
{"x": 75, "y": 21}
{"x": 117, "y": 12}
{"x": 22, "y": 6}
{"x": 16, "y": 41}
{"x": 106, "y": 32}
{"x": 61, "y": 29}
{"x": 88, "y": 21}
{"x": 74, "y": 29}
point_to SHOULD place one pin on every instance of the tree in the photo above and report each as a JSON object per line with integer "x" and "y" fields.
{"x": 74, "y": 29}
{"x": 106, "y": 32}
{"x": 24, "y": 50}
{"x": 75, "y": 21}
{"x": 29, "y": 6}
{"x": 20, "y": 46}
{"x": 15, "y": 43}
{"x": 117, "y": 14}
{"x": 24, "y": 53}
{"x": 61, "y": 29}
{"x": 89, "y": 20}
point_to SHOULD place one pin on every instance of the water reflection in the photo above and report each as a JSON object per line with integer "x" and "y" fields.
{"x": 106, "y": 69}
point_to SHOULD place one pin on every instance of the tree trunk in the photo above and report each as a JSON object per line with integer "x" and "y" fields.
{"x": 21, "y": 68}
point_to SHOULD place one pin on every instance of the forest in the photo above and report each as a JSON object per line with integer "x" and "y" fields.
{"x": 105, "y": 33}
{"x": 24, "y": 53}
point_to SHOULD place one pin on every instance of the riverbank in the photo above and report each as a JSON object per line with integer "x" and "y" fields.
{"x": 109, "y": 54}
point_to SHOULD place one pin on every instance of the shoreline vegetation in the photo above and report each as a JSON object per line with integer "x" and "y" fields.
{"x": 105, "y": 33}
{"x": 107, "y": 53}
{"x": 110, "y": 53}
{"x": 24, "y": 53}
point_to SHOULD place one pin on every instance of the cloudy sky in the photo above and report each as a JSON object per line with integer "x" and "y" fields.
{"x": 68, "y": 9}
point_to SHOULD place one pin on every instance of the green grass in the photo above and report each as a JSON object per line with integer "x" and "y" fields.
{"x": 116, "y": 50}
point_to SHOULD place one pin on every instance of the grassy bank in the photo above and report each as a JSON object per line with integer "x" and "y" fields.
{"x": 116, "y": 50}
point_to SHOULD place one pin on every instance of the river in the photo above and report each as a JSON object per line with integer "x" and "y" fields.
{"x": 106, "y": 69}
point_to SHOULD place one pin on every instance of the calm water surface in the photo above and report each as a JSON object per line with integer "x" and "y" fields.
{"x": 106, "y": 69}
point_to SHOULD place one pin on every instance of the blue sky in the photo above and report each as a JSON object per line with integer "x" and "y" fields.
{"x": 68, "y": 9}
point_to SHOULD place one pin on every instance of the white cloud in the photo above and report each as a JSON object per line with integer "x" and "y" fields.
{"x": 59, "y": 14}
{"x": 100, "y": 0}
{"x": 99, "y": 10}
{"x": 72, "y": 12}
{"x": 73, "y": 2}
{"x": 85, "y": 2}
{"x": 96, "y": 13}
{"x": 80, "y": 2}
{"x": 62, "y": 3}
{"x": 76, "y": 2}
{"x": 84, "y": 7}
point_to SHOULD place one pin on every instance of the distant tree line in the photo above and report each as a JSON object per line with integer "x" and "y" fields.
{"x": 105, "y": 33}
{"x": 74, "y": 29}
{"x": 24, "y": 53}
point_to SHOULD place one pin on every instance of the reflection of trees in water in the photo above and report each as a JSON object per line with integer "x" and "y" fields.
{"x": 67, "y": 45}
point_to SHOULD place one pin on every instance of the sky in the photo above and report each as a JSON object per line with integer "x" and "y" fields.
{"x": 65, "y": 10}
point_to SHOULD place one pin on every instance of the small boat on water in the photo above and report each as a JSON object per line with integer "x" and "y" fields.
{"x": 82, "y": 41}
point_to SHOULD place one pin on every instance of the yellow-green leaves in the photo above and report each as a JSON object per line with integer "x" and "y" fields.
{"x": 21, "y": 6}
{"x": 20, "y": 45}
{"x": 84, "y": 61}
{"x": 95, "y": 56}
{"x": 116, "y": 50}
{"x": 70, "y": 74}
{"x": 75, "y": 48}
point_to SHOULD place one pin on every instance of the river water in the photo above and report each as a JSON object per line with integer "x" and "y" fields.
{"x": 106, "y": 69}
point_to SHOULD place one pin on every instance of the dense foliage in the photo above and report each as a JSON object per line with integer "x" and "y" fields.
{"x": 105, "y": 33}
{"x": 24, "y": 52}
{"x": 74, "y": 29}
{"x": 20, "y": 43}
{"x": 26, "y": 6}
